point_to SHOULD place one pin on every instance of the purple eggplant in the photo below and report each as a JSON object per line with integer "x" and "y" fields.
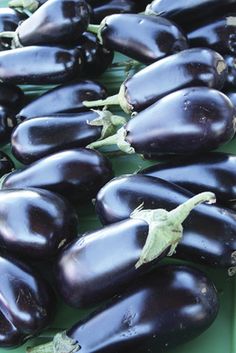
{"x": 11, "y": 96}
{"x": 232, "y": 96}
{"x": 189, "y": 121}
{"x": 27, "y": 303}
{"x": 35, "y": 223}
{"x": 143, "y": 38}
{"x": 170, "y": 306}
{"x": 192, "y": 67}
{"x": 9, "y": 20}
{"x": 231, "y": 76}
{"x": 67, "y": 98}
{"x": 209, "y": 236}
{"x": 75, "y": 174}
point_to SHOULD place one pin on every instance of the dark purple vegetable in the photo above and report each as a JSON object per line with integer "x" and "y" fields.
{"x": 9, "y": 20}
{"x": 212, "y": 171}
{"x": 7, "y": 124}
{"x": 27, "y": 303}
{"x": 192, "y": 120}
{"x": 40, "y": 137}
{"x": 97, "y": 58}
{"x": 231, "y": 76}
{"x": 170, "y": 306}
{"x": 40, "y": 65}
{"x": 103, "y": 262}
{"x": 55, "y": 22}
{"x": 101, "y": 9}
{"x": 190, "y": 11}
{"x": 192, "y": 67}
{"x": 209, "y": 232}
{"x": 143, "y": 38}
{"x": 6, "y": 164}
{"x": 219, "y": 35}
{"x": 76, "y": 174}
{"x": 23, "y": 5}
{"x": 232, "y": 97}
{"x": 11, "y": 96}
{"x": 35, "y": 223}
{"x": 66, "y": 98}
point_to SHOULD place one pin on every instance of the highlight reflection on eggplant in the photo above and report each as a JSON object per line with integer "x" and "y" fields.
{"x": 139, "y": 319}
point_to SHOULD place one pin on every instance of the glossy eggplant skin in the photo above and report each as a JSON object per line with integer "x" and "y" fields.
{"x": 209, "y": 232}
{"x": 75, "y": 174}
{"x": 219, "y": 35}
{"x": 102, "y": 263}
{"x": 192, "y": 67}
{"x": 40, "y": 137}
{"x": 101, "y": 9}
{"x": 27, "y": 303}
{"x": 67, "y": 98}
{"x": 232, "y": 96}
{"x": 7, "y": 124}
{"x": 35, "y": 223}
{"x": 215, "y": 171}
{"x": 6, "y": 164}
{"x": 183, "y": 11}
{"x": 139, "y": 319}
{"x": 208, "y": 117}
{"x": 55, "y": 22}
{"x": 40, "y": 65}
{"x": 97, "y": 58}
{"x": 11, "y": 96}
{"x": 143, "y": 38}
{"x": 231, "y": 76}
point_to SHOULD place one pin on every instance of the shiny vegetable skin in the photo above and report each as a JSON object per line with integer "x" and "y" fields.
{"x": 55, "y": 22}
{"x": 97, "y": 58}
{"x": 40, "y": 65}
{"x": 143, "y": 38}
{"x": 232, "y": 96}
{"x": 7, "y": 124}
{"x": 231, "y": 76}
{"x": 219, "y": 35}
{"x": 9, "y": 19}
{"x": 212, "y": 171}
{"x": 183, "y": 11}
{"x": 76, "y": 174}
{"x": 64, "y": 99}
{"x": 35, "y": 223}
{"x": 139, "y": 319}
{"x": 6, "y": 164}
{"x": 27, "y": 303}
{"x": 39, "y": 137}
{"x": 11, "y": 96}
{"x": 209, "y": 232}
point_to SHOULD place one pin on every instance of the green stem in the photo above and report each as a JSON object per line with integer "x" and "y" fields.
{"x": 28, "y": 5}
{"x": 93, "y": 28}
{"x": 43, "y": 348}
{"x": 108, "y": 141}
{"x": 108, "y": 122}
{"x": 61, "y": 344}
{"x": 7, "y": 34}
{"x": 113, "y": 100}
{"x": 165, "y": 228}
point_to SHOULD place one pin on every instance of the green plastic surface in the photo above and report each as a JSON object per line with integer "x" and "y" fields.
{"x": 221, "y": 336}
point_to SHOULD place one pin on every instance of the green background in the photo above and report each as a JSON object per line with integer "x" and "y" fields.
{"x": 221, "y": 336}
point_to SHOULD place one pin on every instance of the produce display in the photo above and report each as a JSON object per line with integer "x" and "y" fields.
{"x": 118, "y": 176}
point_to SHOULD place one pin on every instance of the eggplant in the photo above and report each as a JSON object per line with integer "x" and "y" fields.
{"x": 26, "y": 6}
{"x": 215, "y": 171}
{"x": 97, "y": 58}
{"x": 9, "y": 20}
{"x": 232, "y": 96}
{"x": 231, "y": 76}
{"x": 189, "y": 121}
{"x": 35, "y": 223}
{"x": 27, "y": 303}
{"x": 6, "y": 164}
{"x": 143, "y": 38}
{"x": 66, "y": 98}
{"x": 209, "y": 236}
{"x": 40, "y": 137}
{"x": 105, "y": 261}
{"x": 219, "y": 35}
{"x": 191, "y": 11}
{"x": 40, "y": 65}
{"x": 7, "y": 124}
{"x": 55, "y": 22}
{"x": 101, "y": 9}
{"x": 75, "y": 174}
{"x": 192, "y": 67}
{"x": 11, "y": 96}
{"x": 170, "y": 306}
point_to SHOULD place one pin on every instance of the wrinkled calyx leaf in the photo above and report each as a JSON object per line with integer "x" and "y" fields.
{"x": 165, "y": 228}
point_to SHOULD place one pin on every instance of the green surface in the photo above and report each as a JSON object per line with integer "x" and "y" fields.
{"x": 221, "y": 337}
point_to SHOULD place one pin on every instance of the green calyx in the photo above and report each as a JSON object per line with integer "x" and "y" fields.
{"x": 149, "y": 11}
{"x": 61, "y": 344}
{"x": 165, "y": 228}
{"x": 108, "y": 122}
{"x": 15, "y": 40}
{"x": 22, "y": 5}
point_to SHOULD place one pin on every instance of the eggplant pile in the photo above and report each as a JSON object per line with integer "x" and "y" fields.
{"x": 70, "y": 104}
